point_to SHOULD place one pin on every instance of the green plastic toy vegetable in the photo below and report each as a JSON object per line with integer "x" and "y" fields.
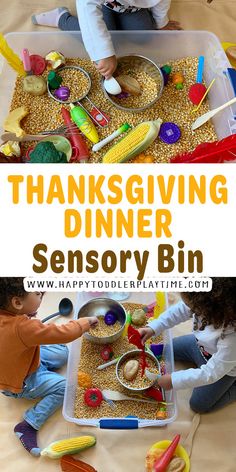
{"x": 46, "y": 153}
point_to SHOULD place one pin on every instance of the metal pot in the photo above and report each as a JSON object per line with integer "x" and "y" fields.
{"x": 142, "y": 63}
{"x": 134, "y": 355}
{"x": 99, "y": 307}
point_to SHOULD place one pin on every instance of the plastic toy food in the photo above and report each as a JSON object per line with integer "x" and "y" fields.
{"x": 110, "y": 318}
{"x": 129, "y": 84}
{"x": 11, "y": 148}
{"x": 84, "y": 379}
{"x": 177, "y": 464}
{"x": 138, "y": 317}
{"x": 55, "y": 59}
{"x": 34, "y": 85}
{"x": 131, "y": 369}
{"x": 161, "y": 414}
{"x": 84, "y": 123}
{"x": 197, "y": 90}
{"x": 135, "y": 142}
{"x": 38, "y": 64}
{"x": 178, "y": 80}
{"x": 163, "y": 461}
{"x": 58, "y": 449}
{"x": 166, "y": 70}
{"x": 107, "y": 353}
{"x": 46, "y": 153}
{"x": 62, "y": 93}
{"x": 69, "y": 464}
{"x": 79, "y": 145}
{"x": 12, "y": 122}
{"x": 54, "y": 80}
{"x": 144, "y": 159}
{"x": 93, "y": 397}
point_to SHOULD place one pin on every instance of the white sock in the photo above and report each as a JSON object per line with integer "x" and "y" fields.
{"x": 49, "y": 18}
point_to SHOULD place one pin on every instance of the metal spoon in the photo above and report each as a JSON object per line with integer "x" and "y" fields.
{"x": 65, "y": 309}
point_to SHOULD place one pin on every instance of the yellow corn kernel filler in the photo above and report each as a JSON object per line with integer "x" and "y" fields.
{"x": 12, "y": 121}
{"x": 58, "y": 449}
{"x": 135, "y": 142}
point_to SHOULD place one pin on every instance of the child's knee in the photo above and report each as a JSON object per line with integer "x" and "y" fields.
{"x": 62, "y": 355}
{"x": 198, "y": 405}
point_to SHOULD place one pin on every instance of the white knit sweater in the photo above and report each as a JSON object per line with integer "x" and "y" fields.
{"x": 223, "y": 351}
{"x": 96, "y": 37}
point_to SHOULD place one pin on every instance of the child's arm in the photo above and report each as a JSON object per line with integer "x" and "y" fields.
{"x": 96, "y": 37}
{"x": 33, "y": 332}
{"x": 173, "y": 316}
{"x": 219, "y": 365}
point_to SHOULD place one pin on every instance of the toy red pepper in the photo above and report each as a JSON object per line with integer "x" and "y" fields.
{"x": 163, "y": 461}
{"x": 93, "y": 397}
{"x": 107, "y": 353}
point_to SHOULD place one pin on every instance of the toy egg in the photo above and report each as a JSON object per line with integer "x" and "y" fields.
{"x": 138, "y": 317}
{"x": 110, "y": 318}
{"x": 62, "y": 93}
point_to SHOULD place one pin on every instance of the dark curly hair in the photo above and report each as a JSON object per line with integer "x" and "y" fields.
{"x": 11, "y": 287}
{"x": 217, "y": 307}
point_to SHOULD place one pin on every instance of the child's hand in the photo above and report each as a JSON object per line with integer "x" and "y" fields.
{"x": 93, "y": 321}
{"x": 146, "y": 333}
{"x": 172, "y": 25}
{"x": 165, "y": 382}
{"x": 107, "y": 66}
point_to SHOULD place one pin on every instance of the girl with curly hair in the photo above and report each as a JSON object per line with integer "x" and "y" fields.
{"x": 211, "y": 347}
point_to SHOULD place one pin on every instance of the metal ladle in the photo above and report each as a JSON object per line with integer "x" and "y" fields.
{"x": 65, "y": 308}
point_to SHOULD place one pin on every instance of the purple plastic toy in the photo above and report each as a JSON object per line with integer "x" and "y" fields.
{"x": 169, "y": 133}
{"x": 62, "y": 93}
{"x": 157, "y": 349}
{"x": 110, "y": 318}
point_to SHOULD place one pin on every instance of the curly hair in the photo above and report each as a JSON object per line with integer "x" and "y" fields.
{"x": 11, "y": 287}
{"x": 217, "y": 307}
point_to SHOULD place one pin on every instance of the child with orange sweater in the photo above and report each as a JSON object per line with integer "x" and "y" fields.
{"x": 30, "y": 351}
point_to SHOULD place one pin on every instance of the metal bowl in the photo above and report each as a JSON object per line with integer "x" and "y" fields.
{"x": 137, "y": 62}
{"x": 133, "y": 355}
{"x": 99, "y": 307}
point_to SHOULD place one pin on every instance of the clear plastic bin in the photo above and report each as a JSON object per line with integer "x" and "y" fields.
{"x": 72, "y": 373}
{"x": 161, "y": 46}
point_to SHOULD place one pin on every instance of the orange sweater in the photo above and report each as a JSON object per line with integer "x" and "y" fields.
{"x": 20, "y": 340}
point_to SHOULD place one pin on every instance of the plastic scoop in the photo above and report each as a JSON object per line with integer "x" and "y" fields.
{"x": 112, "y": 86}
{"x": 118, "y": 396}
{"x": 65, "y": 309}
{"x": 204, "y": 118}
{"x": 197, "y": 91}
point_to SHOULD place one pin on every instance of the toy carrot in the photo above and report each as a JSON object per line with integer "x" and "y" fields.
{"x": 163, "y": 461}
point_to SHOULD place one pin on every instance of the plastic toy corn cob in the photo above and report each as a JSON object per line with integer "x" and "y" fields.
{"x": 135, "y": 142}
{"x": 58, "y": 449}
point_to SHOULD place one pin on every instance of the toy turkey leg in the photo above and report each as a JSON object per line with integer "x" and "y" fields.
{"x": 163, "y": 461}
{"x": 197, "y": 91}
{"x": 75, "y": 137}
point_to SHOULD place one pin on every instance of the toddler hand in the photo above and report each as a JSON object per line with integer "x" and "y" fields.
{"x": 93, "y": 321}
{"x": 165, "y": 382}
{"x": 146, "y": 333}
{"x": 107, "y": 66}
{"x": 172, "y": 25}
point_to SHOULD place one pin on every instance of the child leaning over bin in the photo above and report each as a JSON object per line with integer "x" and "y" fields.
{"x": 96, "y": 17}
{"x": 30, "y": 351}
{"x": 211, "y": 347}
